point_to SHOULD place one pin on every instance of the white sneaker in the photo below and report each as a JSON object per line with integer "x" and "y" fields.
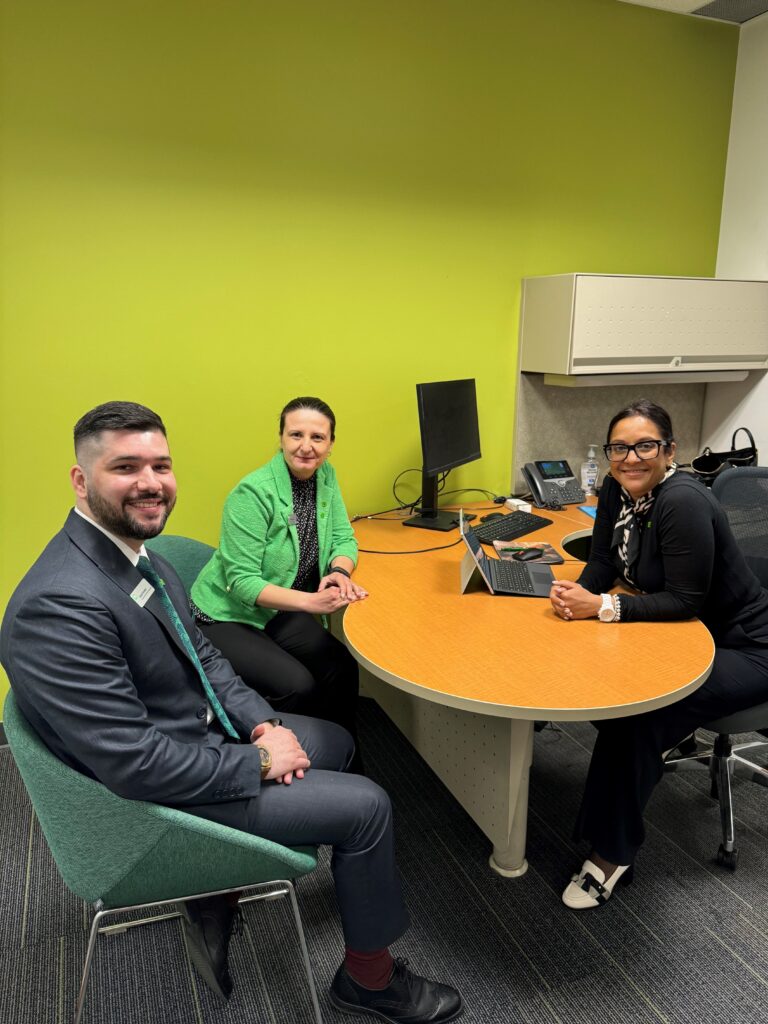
{"x": 589, "y": 888}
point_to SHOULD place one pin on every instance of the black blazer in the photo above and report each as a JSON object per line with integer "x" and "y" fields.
{"x": 108, "y": 686}
{"x": 689, "y": 564}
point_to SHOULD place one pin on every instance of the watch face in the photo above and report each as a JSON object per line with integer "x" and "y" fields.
{"x": 266, "y": 757}
{"x": 607, "y": 612}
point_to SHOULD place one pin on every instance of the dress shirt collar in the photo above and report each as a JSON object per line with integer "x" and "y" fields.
{"x": 130, "y": 554}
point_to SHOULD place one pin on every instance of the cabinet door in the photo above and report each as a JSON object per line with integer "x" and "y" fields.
{"x": 654, "y": 323}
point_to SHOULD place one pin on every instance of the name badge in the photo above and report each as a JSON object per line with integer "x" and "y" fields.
{"x": 292, "y": 520}
{"x": 142, "y": 592}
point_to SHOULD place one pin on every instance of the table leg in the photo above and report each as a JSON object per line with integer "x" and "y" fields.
{"x": 508, "y": 857}
{"x": 483, "y": 760}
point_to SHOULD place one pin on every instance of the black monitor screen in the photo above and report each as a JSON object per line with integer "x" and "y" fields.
{"x": 450, "y": 435}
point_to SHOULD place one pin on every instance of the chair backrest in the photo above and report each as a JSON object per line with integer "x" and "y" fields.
{"x": 743, "y": 493}
{"x": 80, "y": 818}
{"x": 126, "y": 852}
{"x": 187, "y": 556}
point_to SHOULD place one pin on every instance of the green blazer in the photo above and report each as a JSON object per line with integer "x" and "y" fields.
{"x": 260, "y": 545}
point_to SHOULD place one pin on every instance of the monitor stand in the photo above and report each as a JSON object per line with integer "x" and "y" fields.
{"x": 431, "y": 517}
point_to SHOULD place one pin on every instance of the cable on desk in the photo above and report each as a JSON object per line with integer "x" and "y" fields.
{"x": 498, "y": 499}
{"x": 418, "y": 551}
{"x": 398, "y": 508}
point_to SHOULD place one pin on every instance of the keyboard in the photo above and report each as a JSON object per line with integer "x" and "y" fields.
{"x": 509, "y": 527}
{"x": 512, "y": 576}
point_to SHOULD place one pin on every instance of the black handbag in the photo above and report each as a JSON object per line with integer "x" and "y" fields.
{"x": 710, "y": 464}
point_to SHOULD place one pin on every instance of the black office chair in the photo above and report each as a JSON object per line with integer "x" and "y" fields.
{"x": 743, "y": 493}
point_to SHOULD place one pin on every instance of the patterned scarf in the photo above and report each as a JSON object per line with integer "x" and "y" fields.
{"x": 626, "y": 530}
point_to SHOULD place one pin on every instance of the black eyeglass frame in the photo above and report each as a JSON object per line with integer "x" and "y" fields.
{"x": 633, "y": 448}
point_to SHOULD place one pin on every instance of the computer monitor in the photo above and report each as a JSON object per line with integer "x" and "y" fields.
{"x": 450, "y": 437}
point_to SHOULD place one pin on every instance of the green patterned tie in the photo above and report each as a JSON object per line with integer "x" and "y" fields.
{"x": 147, "y": 571}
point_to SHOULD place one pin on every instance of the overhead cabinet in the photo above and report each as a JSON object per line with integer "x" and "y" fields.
{"x": 574, "y": 324}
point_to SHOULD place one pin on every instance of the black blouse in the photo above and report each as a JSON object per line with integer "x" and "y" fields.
{"x": 689, "y": 565}
{"x": 305, "y": 512}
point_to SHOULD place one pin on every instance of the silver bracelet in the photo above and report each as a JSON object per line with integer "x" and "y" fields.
{"x": 617, "y": 607}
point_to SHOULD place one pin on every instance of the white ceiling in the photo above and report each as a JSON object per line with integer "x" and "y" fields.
{"x": 736, "y": 11}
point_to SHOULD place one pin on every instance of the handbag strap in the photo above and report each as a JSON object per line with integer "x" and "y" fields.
{"x": 747, "y": 431}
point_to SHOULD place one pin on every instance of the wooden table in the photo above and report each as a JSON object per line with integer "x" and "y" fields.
{"x": 483, "y": 668}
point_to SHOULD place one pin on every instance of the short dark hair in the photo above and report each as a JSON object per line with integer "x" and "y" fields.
{"x": 648, "y": 410}
{"x": 115, "y": 416}
{"x": 307, "y": 402}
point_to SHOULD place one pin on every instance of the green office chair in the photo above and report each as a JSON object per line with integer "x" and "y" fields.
{"x": 187, "y": 556}
{"x": 124, "y": 855}
{"x": 743, "y": 493}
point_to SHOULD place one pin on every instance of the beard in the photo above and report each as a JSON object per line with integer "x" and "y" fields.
{"x": 118, "y": 519}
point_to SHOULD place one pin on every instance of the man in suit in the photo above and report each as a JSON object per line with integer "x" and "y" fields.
{"x": 109, "y": 668}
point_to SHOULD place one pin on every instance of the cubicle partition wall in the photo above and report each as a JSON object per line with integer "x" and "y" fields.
{"x": 554, "y": 422}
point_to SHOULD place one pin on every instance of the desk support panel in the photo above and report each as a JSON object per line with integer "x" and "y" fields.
{"x": 484, "y": 762}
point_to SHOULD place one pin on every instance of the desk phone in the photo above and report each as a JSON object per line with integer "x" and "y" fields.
{"x": 551, "y": 482}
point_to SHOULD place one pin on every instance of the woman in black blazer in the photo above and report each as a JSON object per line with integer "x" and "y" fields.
{"x": 664, "y": 534}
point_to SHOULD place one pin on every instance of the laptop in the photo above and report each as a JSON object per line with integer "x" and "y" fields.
{"x": 522, "y": 579}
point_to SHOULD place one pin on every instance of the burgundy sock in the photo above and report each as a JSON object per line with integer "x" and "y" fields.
{"x": 371, "y": 970}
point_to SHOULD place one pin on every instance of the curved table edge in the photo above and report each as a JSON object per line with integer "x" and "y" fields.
{"x": 529, "y": 713}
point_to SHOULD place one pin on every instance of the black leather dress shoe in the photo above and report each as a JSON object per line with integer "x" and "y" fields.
{"x": 208, "y": 926}
{"x": 407, "y": 999}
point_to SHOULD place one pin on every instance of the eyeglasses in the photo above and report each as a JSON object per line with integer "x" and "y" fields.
{"x": 643, "y": 450}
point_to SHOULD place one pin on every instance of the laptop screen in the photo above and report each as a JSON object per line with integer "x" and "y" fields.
{"x": 475, "y": 549}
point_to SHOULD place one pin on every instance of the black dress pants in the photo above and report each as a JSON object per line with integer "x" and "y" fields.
{"x": 295, "y": 664}
{"x": 328, "y": 806}
{"x": 627, "y": 758}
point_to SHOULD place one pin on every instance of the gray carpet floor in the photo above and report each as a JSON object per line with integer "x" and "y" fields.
{"x": 687, "y": 943}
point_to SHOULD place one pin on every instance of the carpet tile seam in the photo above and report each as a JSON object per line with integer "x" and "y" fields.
{"x": 759, "y": 977}
{"x": 494, "y": 913}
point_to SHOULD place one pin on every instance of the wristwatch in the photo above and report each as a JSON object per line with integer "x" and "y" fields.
{"x": 266, "y": 761}
{"x": 607, "y": 611}
{"x": 338, "y": 568}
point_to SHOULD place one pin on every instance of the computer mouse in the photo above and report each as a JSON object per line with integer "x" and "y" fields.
{"x": 527, "y": 554}
{"x": 491, "y": 515}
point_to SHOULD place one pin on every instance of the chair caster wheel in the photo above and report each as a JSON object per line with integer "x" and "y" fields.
{"x": 727, "y": 858}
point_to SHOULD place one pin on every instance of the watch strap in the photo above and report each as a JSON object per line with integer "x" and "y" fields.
{"x": 607, "y": 611}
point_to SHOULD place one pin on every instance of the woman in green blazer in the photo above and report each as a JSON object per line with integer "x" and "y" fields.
{"x": 286, "y": 556}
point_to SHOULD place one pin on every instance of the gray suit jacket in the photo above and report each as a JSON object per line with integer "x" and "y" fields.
{"x": 108, "y": 685}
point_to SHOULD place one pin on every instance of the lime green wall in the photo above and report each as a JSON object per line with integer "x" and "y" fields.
{"x": 211, "y": 207}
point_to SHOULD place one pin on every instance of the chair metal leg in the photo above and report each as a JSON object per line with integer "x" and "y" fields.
{"x": 87, "y": 966}
{"x": 727, "y": 855}
{"x": 759, "y": 774}
{"x": 304, "y": 952}
{"x": 721, "y": 759}
{"x": 285, "y": 887}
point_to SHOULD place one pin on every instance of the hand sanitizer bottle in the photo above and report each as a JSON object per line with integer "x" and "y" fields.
{"x": 590, "y": 472}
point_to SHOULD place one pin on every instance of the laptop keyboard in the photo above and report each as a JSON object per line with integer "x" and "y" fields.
{"x": 509, "y": 527}
{"x": 512, "y": 576}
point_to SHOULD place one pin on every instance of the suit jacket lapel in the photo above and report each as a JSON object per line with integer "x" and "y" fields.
{"x": 113, "y": 563}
